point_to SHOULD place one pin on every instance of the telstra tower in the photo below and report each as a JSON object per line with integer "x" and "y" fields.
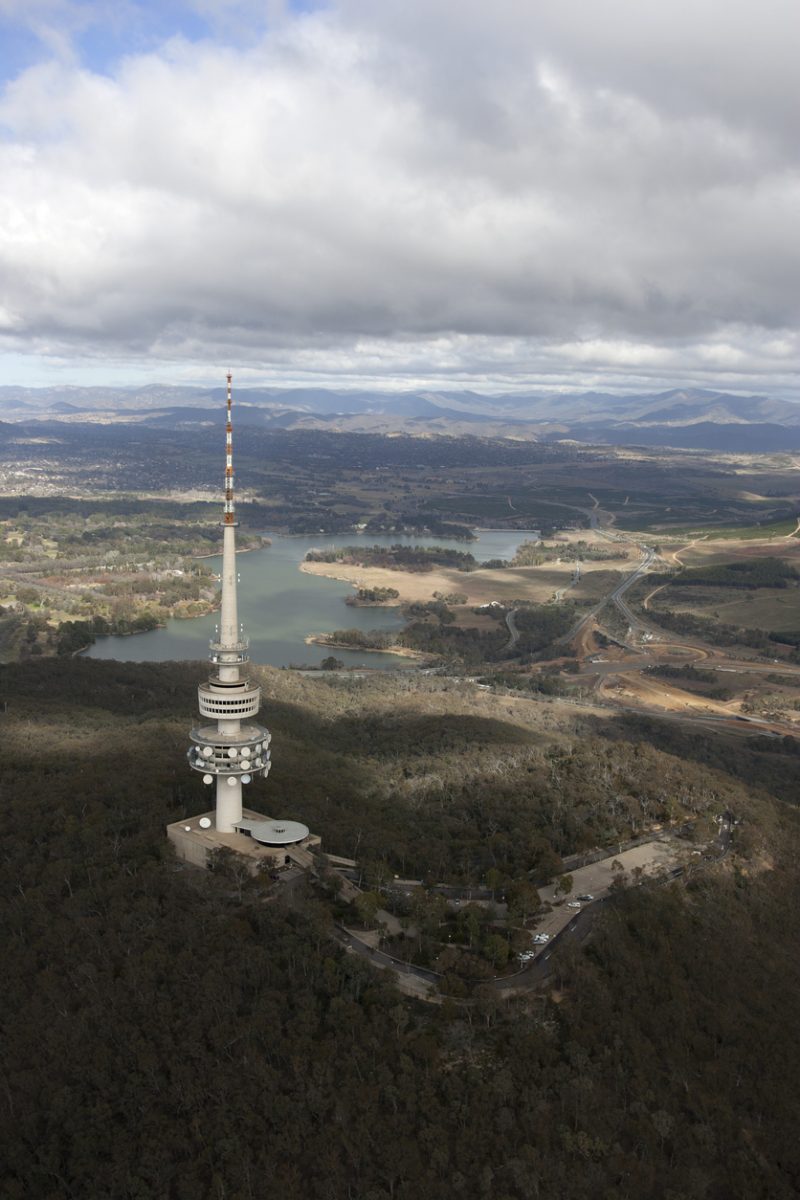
{"x": 228, "y": 746}
{"x": 235, "y": 750}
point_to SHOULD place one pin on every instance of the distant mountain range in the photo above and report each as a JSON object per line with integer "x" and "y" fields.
{"x": 693, "y": 418}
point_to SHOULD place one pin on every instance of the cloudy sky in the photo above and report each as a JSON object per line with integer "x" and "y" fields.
{"x": 495, "y": 194}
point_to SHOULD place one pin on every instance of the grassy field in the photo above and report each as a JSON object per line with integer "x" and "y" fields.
{"x": 511, "y": 505}
{"x": 742, "y": 533}
{"x": 764, "y": 608}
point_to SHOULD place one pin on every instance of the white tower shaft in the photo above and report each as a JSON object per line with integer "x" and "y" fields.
{"x": 229, "y": 634}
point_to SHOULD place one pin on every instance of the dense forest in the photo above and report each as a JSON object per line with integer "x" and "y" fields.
{"x": 750, "y": 573}
{"x": 162, "y": 1039}
{"x": 430, "y": 631}
{"x": 397, "y": 558}
{"x": 534, "y": 554}
{"x": 372, "y": 595}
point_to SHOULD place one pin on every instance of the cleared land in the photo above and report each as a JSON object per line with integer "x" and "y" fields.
{"x": 536, "y": 584}
{"x": 764, "y": 608}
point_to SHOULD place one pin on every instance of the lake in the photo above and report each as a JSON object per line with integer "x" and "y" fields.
{"x": 279, "y": 605}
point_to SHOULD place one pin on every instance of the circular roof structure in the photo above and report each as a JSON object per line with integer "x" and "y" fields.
{"x": 278, "y": 833}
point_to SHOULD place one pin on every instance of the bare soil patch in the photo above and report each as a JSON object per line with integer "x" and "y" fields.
{"x": 659, "y": 694}
{"x": 536, "y": 584}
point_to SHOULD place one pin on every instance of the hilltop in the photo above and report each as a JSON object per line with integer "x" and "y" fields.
{"x": 214, "y": 1039}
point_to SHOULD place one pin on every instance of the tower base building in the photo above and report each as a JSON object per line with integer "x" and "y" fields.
{"x": 260, "y": 840}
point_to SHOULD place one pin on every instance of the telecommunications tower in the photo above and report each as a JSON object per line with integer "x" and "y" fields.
{"x": 233, "y": 750}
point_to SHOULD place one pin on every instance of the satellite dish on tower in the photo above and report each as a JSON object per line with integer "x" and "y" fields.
{"x": 245, "y": 779}
{"x": 208, "y": 778}
{"x": 204, "y": 823}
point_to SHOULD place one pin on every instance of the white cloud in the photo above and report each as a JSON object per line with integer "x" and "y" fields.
{"x": 418, "y": 191}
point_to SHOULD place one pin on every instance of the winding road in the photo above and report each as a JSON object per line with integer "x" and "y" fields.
{"x": 420, "y": 982}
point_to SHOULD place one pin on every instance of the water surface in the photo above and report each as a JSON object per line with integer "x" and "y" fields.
{"x": 279, "y": 605}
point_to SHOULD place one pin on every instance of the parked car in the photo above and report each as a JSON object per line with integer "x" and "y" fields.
{"x": 540, "y": 938}
{"x": 574, "y": 904}
{"x": 586, "y": 897}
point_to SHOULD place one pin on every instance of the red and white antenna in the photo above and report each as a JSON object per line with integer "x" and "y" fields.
{"x": 230, "y": 518}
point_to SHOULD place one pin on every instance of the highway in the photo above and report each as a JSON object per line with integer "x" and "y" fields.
{"x": 695, "y": 657}
{"x": 634, "y": 621}
{"x": 615, "y": 597}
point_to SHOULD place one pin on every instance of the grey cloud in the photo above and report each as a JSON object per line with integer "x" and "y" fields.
{"x": 501, "y": 191}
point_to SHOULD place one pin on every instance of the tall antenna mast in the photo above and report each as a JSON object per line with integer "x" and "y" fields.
{"x": 229, "y": 748}
{"x": 235, "y": 749}
{"x": 230, "y": 517}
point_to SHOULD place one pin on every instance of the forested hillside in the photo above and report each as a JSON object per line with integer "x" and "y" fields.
{"x": 162, "y": 1039}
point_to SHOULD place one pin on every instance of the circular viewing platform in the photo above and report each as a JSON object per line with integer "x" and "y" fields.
{"x": 239, "y": 699}
{"x": 240, "y": 647}
{"x": 274, "y": 833}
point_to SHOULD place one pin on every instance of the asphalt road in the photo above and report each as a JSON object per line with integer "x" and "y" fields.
{"x": 418, "y": 981}
{"x": 580, "y": 928}
{"x": 615, "y": 597}
{"x": 513, "y": 632}
{"x": 738, "y": 666}
{"x": 634, "y": 621}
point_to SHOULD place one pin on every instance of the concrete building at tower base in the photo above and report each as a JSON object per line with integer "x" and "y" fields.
{"x": 257, "y": 838}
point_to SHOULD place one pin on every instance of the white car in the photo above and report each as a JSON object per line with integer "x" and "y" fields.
{"x": 573, "y": 904}
{"x": 539, "y": 939}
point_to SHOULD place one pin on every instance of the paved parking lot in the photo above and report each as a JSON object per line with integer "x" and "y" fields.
{"x": 596, "y": 879}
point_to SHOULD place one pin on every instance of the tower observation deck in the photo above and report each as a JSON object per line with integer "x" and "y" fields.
{"x": 228, "y": 746}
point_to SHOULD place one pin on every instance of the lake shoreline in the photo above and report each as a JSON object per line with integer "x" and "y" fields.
{"x": 322, "y": 639}
{"x": 282, "y": 609}
{"x": 244, "y": 550}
